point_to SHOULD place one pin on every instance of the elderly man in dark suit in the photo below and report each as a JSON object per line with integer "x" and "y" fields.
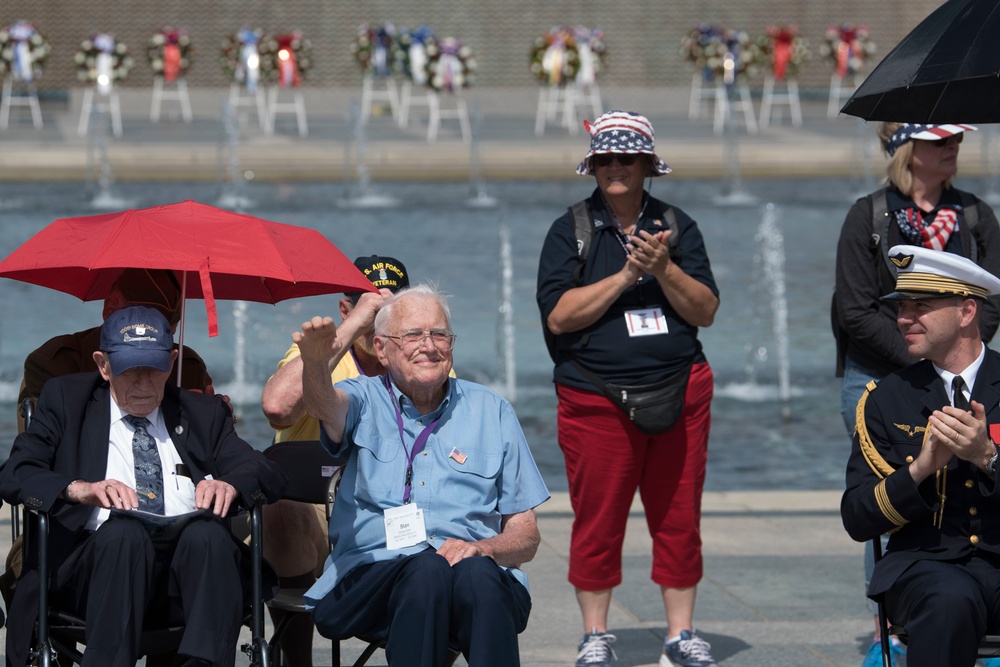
{"x": 923, "y": 466}
{"x": 104, "y": 451}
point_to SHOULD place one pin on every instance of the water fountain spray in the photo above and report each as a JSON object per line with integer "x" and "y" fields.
{"x": 477, "y": 178}
{"x": 233, "y": 179}
{"x": 733, "y": 193}
{"x": 506, "y": 340}
{"x": 360, "y": 195}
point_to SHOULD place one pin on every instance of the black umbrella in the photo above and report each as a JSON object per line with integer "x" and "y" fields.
{"x": 947, "y": 70}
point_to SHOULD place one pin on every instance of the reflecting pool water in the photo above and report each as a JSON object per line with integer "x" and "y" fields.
{"x": 776, "y": 415}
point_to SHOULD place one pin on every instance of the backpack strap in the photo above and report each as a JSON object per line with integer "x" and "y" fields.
{"x": 583, "y": 227}
{"x": 880, "y": 226}
{"x": 970, "y": 218}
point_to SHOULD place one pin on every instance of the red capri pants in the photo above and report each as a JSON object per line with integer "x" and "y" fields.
{"x": 608, "y": 458}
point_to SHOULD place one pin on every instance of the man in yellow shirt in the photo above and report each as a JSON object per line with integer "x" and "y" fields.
{"x": 296, "y": 542}
{"x": 282, "y": 397}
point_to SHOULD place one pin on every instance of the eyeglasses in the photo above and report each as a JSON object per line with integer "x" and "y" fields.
{"x": 941, "y": 143}
{"x": 442, "y": 340}
{"x": 624, "y": 159}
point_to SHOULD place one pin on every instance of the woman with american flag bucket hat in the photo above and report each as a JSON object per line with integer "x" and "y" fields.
{"x": 918, "y": 206}
{"x": 624, "y": 283}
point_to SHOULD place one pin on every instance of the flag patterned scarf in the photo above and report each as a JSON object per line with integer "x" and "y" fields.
{"x": 920, "y": 229}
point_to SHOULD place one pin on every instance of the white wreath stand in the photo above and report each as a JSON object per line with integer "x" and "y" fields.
{"x": 107, "y": 102}
{"x": 743, "y": 103}
{"x": 459, "y": 112}
{"x": 771, "y": 99}
{"x": 369, "y": 94}
{"x": 175, "y": 92}
{"x": 28, "y": 97}
{"x": 296, "y": 106}
{"x": 240, "y": 97}
{"x": 408, "y": 99}
{"x": 553, "y": 100}
{"x": 568, "y": 100}
{"x": 838, "y": 93}
{"x": 699, "y": 93}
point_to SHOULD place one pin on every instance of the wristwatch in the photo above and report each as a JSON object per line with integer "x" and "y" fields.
{"x": 991, "y": 465}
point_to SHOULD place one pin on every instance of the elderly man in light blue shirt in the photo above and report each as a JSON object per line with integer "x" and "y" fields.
{"x": 435, "y": 512}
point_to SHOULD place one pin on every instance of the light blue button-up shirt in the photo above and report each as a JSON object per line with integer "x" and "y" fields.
{"x": 461, "y": 498}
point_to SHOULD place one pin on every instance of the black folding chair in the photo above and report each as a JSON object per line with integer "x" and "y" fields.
{"x": 59, "y": 633}
{"x": 989, "y": 647}
{"x": 313, "y": 477}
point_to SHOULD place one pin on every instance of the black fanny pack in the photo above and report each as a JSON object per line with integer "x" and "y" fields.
{"x": 653, "y": 408}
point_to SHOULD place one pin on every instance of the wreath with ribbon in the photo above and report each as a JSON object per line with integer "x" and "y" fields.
{"x": 285, "y": 58}
{"x": 23, "y": 51}
{"x": 735, "y": 44}
{"x": 101, "y": 55}
{"x": 409, "y": 53}
{"x": 555, "y": 57}
{"x": 373, "y": 49}
{"x": 240, "y": 56}
{"x": 786, "y": 50}
{"x": 593, "y": 53}
{"x": 696, "y": 45}
{"x": 450, "y": 65}
{"x": 847, "y": 47}
{"x": 169, "y": 53}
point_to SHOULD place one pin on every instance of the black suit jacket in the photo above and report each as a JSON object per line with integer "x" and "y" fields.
{"x": 881, "y": 496}
{"x": 68, "y": 439}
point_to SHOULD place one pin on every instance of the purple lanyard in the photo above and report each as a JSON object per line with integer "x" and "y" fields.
{"x": 418, "y": 444}
{"x": 357, "y": 362}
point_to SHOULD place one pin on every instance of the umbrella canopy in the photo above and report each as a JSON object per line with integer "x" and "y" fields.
{"x": 216, "y": 254}
{"x": 947, "y": 70}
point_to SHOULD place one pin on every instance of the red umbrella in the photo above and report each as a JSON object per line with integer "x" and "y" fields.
{"x": 216, "y": 254}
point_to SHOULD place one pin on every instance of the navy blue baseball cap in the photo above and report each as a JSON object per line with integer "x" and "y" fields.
{"x": 137, "y": 336}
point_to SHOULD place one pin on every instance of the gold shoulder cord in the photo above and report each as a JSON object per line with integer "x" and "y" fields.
{"x": 883, "y": 469}
{"x": 875, "y": 461}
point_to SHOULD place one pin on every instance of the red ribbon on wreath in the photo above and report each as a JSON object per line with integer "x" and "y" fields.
{"x": 845, "y": 51}
{"x": 781, "y": 39}
{"x": 171, "y": 62}
{"x": 288, "y": 67}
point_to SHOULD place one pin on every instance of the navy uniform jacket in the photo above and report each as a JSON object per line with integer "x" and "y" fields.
{"x": 68, "y": 440}
{"x": 881, "y": 496}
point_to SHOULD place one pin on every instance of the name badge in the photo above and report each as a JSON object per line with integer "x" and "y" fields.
{"x": 646, "y": 322}
{"x": 404, "y": 526}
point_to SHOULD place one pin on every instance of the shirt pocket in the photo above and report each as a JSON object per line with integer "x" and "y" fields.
{"x": 381, "y": 466}
{"x": 477, "y": 474}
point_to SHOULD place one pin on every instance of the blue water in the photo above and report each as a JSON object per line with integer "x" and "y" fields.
{"x": 759, "y": 441}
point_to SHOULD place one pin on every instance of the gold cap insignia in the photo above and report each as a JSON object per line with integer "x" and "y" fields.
{"x": 901, "y": 261}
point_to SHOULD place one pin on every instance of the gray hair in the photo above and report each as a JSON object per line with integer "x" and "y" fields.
{"x": 421, "y": 292}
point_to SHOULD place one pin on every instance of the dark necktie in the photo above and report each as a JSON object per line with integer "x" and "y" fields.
{"x": 958, "y": 395}
{"x": 148, "y": 471}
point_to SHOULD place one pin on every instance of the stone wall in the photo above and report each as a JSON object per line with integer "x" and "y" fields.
{"x": 643, "y": 36}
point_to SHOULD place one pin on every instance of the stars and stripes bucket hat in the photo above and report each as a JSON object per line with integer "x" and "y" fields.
{"x": 909, "y": 131}
{"x": 621, "y": 132}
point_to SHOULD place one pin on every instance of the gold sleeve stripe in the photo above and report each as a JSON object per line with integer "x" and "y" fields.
{"x": 875, "y": 461}
{"x": 890, "y": 513}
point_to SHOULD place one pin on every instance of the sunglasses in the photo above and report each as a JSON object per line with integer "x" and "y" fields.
{"x": 624, "y": 159}
{"x": 941, "y": 143}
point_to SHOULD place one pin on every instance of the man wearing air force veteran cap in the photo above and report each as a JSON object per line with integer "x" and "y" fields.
{"x": 923, "y": 463}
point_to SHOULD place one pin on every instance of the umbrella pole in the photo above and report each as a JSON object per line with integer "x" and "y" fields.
{"x": 180, "y": 333}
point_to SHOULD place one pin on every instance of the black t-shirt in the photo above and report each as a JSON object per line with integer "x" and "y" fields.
{"x": 605, "y": 347}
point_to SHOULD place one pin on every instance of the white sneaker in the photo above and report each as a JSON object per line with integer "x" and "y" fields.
{"x": 595, "y": 650}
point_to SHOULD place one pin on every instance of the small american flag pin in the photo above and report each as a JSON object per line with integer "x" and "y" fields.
{"x": 458, "y": 456}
